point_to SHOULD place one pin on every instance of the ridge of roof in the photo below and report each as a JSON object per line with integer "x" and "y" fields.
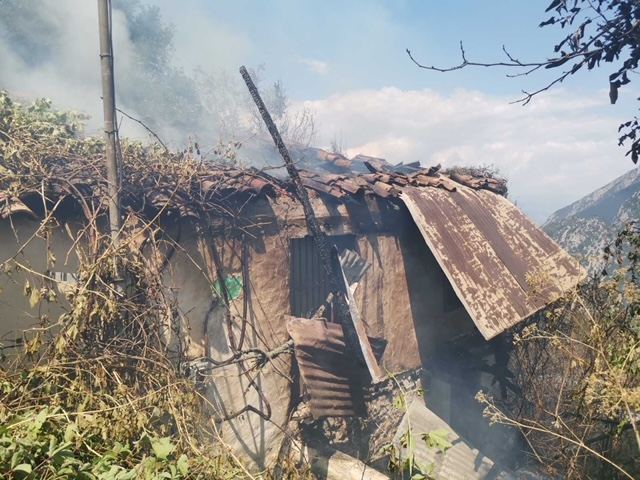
{"x": 334, "y": 174}
{"x": 187, "y": 183}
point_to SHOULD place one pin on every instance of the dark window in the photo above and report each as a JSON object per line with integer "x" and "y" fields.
{"x": 308, "y": 281}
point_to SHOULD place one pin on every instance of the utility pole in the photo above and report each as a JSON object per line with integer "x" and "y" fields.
{"x": 109, "y": 107}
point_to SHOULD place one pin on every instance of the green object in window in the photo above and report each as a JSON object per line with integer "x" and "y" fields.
{"x": 233, "y": 284}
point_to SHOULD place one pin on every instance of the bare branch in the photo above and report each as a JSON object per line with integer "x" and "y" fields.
{"x": 146, "y": 127}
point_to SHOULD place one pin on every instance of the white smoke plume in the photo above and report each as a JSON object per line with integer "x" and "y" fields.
{"x": 50, "y": 49}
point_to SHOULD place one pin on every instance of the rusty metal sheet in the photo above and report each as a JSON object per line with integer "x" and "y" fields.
{"x": 376, "y": 373}
{"x": 329, "y": 372}
{"x": 502, "y": 267}
{"x": 460, "y": 462}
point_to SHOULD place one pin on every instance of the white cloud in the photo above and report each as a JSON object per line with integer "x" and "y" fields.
{"x": 315, "y": 66}
{"x": 554, "y": 151}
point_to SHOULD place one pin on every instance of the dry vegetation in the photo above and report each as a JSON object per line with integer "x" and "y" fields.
{"x": 579, "y": 369}
{"x": 98, "y": 393}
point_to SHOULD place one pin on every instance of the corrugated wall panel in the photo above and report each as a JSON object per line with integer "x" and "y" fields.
{"x": 330, "y": 373}
{"x": 309, "y": 285}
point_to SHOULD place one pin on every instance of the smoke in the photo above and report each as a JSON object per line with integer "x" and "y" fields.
{"x": 41, "y": 53}
{"x": 50, "y": 49}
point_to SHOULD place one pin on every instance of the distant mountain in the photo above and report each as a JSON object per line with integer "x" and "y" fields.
{"x": 586, "y": 226}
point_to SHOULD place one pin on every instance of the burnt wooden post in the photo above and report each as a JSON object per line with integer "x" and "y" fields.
{"x": 353, "y": 332}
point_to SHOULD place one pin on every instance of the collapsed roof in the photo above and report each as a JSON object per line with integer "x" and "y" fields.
{"x": 502, "y": 267}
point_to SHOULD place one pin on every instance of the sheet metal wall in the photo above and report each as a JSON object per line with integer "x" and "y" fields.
{"x": 308, "y": 281}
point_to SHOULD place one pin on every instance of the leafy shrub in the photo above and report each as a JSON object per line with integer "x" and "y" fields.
{"x": 579, "y": 369}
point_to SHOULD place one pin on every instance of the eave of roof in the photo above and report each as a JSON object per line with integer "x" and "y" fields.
{"x": 502, "y": 267}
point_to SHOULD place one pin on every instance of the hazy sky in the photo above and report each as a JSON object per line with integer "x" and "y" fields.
{"x": 346, "y": 61}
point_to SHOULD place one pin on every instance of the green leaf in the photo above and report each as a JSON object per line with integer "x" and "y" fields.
{"x": 23, "y": 468}
{"x": 86, "y": 476}
{"x": 39, "y": 420}
{"x": 162, "y": 447}
{"x": 128, "y": 475}
{"x": 183, "y": 464}
{"x": 70, "y": 432}
{"x": 438, "y": 439}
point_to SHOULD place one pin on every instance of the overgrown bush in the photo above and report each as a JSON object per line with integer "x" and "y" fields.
{"x": 49, "y": 444}
{"x": 579, "y": 368}
{"x": 99, "y": 392}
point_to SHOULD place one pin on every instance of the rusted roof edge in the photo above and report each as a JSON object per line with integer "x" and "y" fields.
{"x": 418, "y": 218}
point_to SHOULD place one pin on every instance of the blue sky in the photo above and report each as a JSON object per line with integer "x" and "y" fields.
{"x": 363, "y": 42}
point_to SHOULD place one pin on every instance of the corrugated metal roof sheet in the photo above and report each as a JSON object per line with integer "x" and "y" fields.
{"x": 502, "y": 267}
{"x": 460, "y": 462}
{"x": 331, "y": 375}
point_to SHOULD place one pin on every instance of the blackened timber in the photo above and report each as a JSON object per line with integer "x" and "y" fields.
{"x": 324, "y": 249}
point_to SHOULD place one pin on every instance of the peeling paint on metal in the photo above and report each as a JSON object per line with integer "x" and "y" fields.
{"x": 502, "y": 267}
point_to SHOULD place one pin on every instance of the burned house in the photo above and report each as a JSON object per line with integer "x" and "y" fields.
{"x": 436, "y": 269}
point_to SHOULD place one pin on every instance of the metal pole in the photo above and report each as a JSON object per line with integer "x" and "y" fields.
{"x": 109, "y": 107}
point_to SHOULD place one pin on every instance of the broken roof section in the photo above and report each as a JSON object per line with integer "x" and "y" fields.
{"x": 502, "y": 267}
{"x": 459, "y": 462}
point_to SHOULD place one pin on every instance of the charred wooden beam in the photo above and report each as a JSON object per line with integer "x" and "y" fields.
{"x": 334, "y": 273}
